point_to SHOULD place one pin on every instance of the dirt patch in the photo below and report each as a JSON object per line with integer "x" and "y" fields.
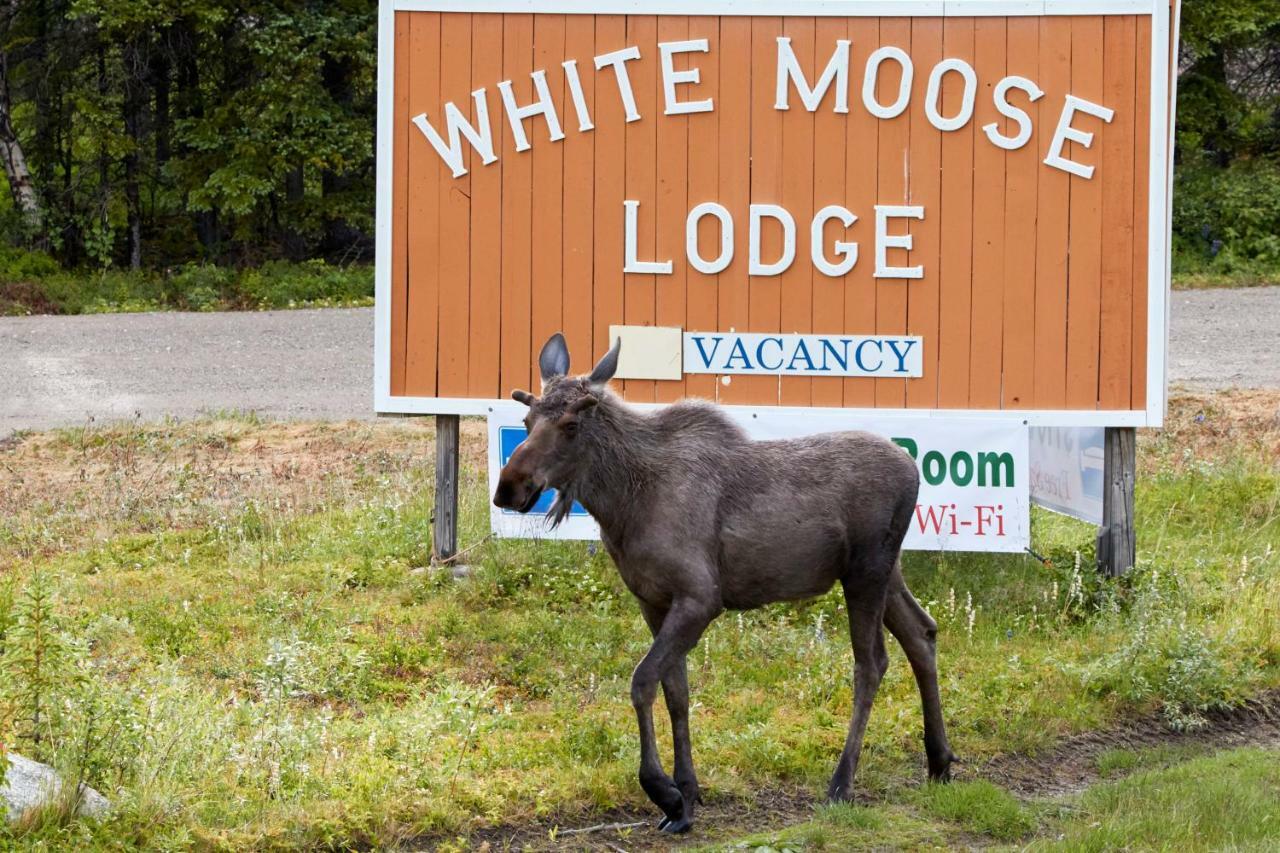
{"x": 1068, "y": 768}
{"x": 1073, "y": 764}
{"x": 20, "y": 298}
{"x": 1211, "y": 428}
{"x": 636, "y": 829}
{"x": 62, "y": 490}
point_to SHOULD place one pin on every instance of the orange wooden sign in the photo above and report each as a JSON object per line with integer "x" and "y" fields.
{"x": 811, "y": 187}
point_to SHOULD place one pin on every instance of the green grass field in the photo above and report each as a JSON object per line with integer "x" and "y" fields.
{"x": 233, "y": 630}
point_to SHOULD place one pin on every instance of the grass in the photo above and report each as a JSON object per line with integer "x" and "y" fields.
{"x": 1220, "y": 802}
{"x": 1201, "y": 280}
{"x": 31, "y": 283}
{"x": 257, "y": 653}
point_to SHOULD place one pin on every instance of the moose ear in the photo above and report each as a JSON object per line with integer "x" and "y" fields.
{"x": 554, "y": 359}
{"x": 608, "y": 365}
{"x": 523, "y": 397}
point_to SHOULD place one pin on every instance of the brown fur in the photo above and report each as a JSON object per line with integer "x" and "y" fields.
{"x": 699, "y": 518}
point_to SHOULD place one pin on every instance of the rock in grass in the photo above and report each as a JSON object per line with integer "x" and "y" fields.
{"x": 28, "y": 784}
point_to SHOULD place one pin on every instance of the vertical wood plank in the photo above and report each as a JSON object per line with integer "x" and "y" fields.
{"x": 640, "y": 289}
{"x": 517, "y": 214}
{"x": 1021, "y": 166}
{"x": 765, "y": 293}
{"x": 455, "y": 213}
{"x": 400, "y": 204}
{"x": 486, "y": 219}
{"x": 702, "y": 291}
{"x": 426, "y": 172}
{"x": 828, "y": 188}
{"x": 610, "y": 189}
{"x": 673, "y": 195}
{"x": 547, "y": 271}
{"x": 1141, "y": 190}
{"x": 956, "y": 209}
{"x": 985, "y": 342}
{"x": 1117, "y": 540}
{"x": 1116, "y": 172}
{"x": 734, "y": 111}
{"x": 924, "y": 189}
{"x": 796, "y": 282}
{"x": 1053, "y": 205}
{"x": 1084, "y": 268}
{"x": 862, "y": 145}
{"x": 445, "y": 518}
{"x": 579, "y": 180}
{"x": 894, "y": 158}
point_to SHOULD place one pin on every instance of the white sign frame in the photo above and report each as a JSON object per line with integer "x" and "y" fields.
{"x": 1160, "y": 179}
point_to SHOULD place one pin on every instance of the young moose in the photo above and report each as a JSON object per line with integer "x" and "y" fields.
{"x": 699, "y": 519}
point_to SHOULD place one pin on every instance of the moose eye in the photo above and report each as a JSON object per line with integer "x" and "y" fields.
{"x": 570, "y": 428}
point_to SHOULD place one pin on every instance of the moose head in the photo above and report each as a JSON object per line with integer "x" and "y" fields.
{"x": 546, "y": 459}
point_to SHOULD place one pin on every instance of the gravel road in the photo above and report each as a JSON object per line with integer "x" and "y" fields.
{"x": 318, "y": 364}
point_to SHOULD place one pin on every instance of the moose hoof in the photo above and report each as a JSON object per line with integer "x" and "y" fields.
{"x": 839, "y": 793}
{"x": 941, "y": 771}
{"x": 678, "y": 826}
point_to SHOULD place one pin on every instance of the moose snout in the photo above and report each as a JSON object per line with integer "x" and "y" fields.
{"x": 502, "y": 496}
{"x": 519, "y": 494}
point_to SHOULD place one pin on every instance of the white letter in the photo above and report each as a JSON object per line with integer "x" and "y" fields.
{"x": 1006, "y": 109}
{"x": 837, "y": 69}
{"x": 618, "y": 60}
{"x": 726, "y": 238}
{"x": 885, "y": 241}
{"x": 481, "y": 140}
{"x": 873, "y": 74}
{"x": 773, "y": 211}
{"x": 542, "y": 106}
{"x": 629, "y": 262}
{"x": 570, "y": 67}
{"x": 671, "y": 77}
{"x": 848, "y": 250}
{"x": 958, "y": 120}
{"x": 1065, "y": 131}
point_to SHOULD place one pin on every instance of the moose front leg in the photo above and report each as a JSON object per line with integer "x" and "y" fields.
{"x": 679, "y": 632}
{"x": 675, "y": 690}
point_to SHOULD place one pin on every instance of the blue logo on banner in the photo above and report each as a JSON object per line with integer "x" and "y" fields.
{"x": 509, "y": 438}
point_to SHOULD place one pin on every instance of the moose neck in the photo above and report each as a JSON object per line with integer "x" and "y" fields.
{"x": 620, "y": 448}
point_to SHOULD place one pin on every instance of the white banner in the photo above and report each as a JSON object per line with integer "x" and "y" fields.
{"x": 973, "y": 483}
{"x": 1067, "y": 470}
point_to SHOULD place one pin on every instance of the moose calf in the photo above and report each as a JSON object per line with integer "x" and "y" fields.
{"x": 700, "y": 519}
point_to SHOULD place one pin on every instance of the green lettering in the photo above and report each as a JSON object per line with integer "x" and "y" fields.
{"x": 991, "y": 464}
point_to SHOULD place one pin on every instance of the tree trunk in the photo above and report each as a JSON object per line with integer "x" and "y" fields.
{"x": 134, "y": 80}
{"x": 13, "y": 160}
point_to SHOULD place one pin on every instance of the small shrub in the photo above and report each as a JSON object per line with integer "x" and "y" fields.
{"x": 22, "y": 265}
{"x": 284, "y": 285}
{"x": 1227, "y": 220}
{"x": 1168, "y": 658}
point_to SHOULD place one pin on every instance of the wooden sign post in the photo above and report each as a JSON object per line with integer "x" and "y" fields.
{"x": 947, "y": 208}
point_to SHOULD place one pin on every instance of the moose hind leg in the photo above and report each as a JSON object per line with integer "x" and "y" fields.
{"x": 916, "y": 632}
{"x": 870, "y": 660}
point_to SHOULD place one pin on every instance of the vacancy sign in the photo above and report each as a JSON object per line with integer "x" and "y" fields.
{"x": 973, "y": 477}
{"x": 943, "y": 207}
